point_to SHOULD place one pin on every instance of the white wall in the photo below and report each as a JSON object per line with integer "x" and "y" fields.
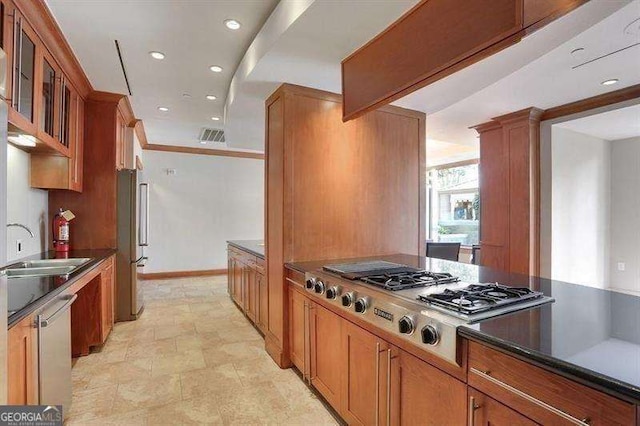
{"x": 580, "y": 223}
{"x": 625, "y": 214}
{"x": 208, "y": 201}
{"x": 24, "y": 205}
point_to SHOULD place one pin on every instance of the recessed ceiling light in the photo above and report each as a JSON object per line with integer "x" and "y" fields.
{"x": 214, "y": 118}
{"x": 609, "y": 82}
{"x": 215, "y": 68}
{"x": 211, "y": 97}
{"x": 186, "y": 95}
{"x": 22, "y": 140}
{"x": 163, "y": 109}
{"x": 577, "y": 51}
{"x": 156, "y": 55}
{"x": 232, "y": 24}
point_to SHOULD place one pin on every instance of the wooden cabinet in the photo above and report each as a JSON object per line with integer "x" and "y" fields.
{"x": 262, "y": 304}
{"x": 327, "y": 359}
{"x": 365, "y": 397}
{"x": 486, "y": 411}
{"x": 107, "y": 297}
{"x": 540, "y": 395}
{"x": 247, "y": 286}
{"x": 422, "y": 394}
{"x": 121, "y": 128}
{"x": 251, "y": 293}
{"x": 22, "y": 363}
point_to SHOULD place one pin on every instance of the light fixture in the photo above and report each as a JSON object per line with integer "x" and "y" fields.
{"x": 215, "y": 68}
{"x": 22, "y": 140}
{"x": 214, "y": 118}
{"x": 186, "y": 95}
{"x": 211, "y": 97}
{"x": 203, "y": 142}
{"x": 232, "y": 24}
{"x": 609, "y": 82}
{"x": 156, "y": 55}
{"x": 163, "y": 109}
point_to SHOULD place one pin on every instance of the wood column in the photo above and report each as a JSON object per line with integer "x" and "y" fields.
{"x": 510, "y": 192}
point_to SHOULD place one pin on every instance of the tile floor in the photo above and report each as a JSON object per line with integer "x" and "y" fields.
{"x": 192, "y": 358}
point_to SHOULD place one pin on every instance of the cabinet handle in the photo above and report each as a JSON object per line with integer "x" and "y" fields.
{"x": 472, "y": 410}
{"x": 377, "y": 383}
{"x": 542, "y": 404}
{"x": 389, "y": 387}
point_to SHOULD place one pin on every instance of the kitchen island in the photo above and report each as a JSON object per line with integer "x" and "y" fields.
{"x": 571, "y": 361}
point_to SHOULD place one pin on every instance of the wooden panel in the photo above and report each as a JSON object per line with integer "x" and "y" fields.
{"x": 494, "y": 196}
{"x": 327, "y": 365}
{"x": 433, "y": 36}
{"x": 364, "y": 394}
{"x": 22, "y": 363}
{"x": 422, "y": 394}
{"x": 611, "y": 98}
{"x": 539, "y": 12}
{"x": 107, "y": 294}
{"x": 263, "y": 302}
{"x": 489, "y": 412}
{"x": 95, "y": 208}
{"x": 297, "y": 328}
{"x": 205, "y": 151}
{"x": 563, "y": 394}
{"x": 86, "y": 318}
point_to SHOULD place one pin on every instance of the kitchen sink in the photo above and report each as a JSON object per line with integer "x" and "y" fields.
{"x": 45, "y": 268}
{"x": 75, "y": 262}
{"x": 39, "y": 272}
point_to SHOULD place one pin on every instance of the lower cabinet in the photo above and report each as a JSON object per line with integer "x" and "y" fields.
{"x": 326, "y": 354}
{"x": 22, "y": 363}
{"x": 248, "y": 287}
{"x": 107, "y": 296}
{"x": 485, "y": 411}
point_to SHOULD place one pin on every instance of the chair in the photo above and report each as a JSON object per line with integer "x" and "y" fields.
{"x": 475, "y": 254}
{"x": 446, "y": 251}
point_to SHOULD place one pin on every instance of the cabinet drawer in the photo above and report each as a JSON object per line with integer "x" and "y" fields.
{"x": 543, "y": 396}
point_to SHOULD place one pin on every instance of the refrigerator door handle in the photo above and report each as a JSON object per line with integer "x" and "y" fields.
{"x": 144, "y": 217}
{"x": 140, "y": 263}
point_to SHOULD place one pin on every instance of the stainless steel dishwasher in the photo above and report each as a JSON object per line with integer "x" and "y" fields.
{"x": 54, "y": 352}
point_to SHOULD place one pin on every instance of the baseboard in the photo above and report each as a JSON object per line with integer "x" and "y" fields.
{"x": 181, "y": 274}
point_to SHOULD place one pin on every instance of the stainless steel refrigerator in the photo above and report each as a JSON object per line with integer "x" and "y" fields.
{"x": 133, "y": 238}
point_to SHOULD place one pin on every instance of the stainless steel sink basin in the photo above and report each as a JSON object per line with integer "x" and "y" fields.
{"x": 39, "y": 272}
{"x": 51, "y": 263}
{"x": 45, "y": 267}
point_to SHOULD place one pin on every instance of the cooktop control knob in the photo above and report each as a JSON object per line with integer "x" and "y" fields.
{"x": 405, "y": 324}
{"x": 311, "y": 282}
{"x": 332, "y": 292}
{"x": 347, "y": 299}
{"x": 361, "y": 305}
{"x": 430, "y": 335}
{"x": 319, "y": 287}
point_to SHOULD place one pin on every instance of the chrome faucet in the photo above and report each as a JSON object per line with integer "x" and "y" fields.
{"x": 19, "y": 225}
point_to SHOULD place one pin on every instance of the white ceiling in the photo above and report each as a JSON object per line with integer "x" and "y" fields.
{"x": 620, "y": 123}
{"x": 192, "y": 35}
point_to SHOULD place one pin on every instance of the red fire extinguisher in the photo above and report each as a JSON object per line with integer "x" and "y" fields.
{"x": 60, "y": 232}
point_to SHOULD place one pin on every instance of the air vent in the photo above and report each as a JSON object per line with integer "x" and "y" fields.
{"x": 211, "y": 135}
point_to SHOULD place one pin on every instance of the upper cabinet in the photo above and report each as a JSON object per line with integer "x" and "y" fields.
{"x": 427, "y": 43}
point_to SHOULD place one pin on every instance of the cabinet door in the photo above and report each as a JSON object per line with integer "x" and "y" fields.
{"x": 22, "y": 363}
{"x": 365, "y": 382}
{"x": 422, "y": 394}
{"x": 23, "y": 101}
{"x": 238, "y": 283}
{"x": 77, "y": 144}
{"x": 263, "y": 302}
{"x": 251, "y": 299}
{"x": 230, "y": 274}
{"x": 485, "y": 411}
{"x": 298, "y": 329}
{"x": 106, "y": 298}
{"x": 6, "y": 42}
{"x": 48, "y": 91}
{"x": 120, "y": 141}
{"x": 326, "y": 354}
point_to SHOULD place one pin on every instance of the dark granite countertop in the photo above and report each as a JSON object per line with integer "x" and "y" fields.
{"x": 589, "y": 335}
{"x": 26, "y": 295}
{"x": 255, "y": 247}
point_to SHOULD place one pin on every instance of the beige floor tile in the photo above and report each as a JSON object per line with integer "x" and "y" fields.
{"x": 147, "y": 393}
{"x": 132, "y": 418}
{"x": 90, "y": 403}
{"x": 120, "y": 372}
{"x": 258, "y": 404}
{"x": 167, "y": 331}
{"x": 177, "y": 363}
{"x": 210, "y": 381}
{"x": 151, "y": 349}
{"x": 197, "y": 411}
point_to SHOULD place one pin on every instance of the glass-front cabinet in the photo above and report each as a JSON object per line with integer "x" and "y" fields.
{"x": 48, "y": 95}
{"x": 24, "y": 53}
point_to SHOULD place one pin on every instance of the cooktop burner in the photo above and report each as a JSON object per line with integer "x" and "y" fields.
{"x": 403, "y": 281}
{"x": 477, "y": 298}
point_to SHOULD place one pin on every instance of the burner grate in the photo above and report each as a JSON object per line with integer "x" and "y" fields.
{"x": 477, "y": 298}
{"x": 403, "y": 281}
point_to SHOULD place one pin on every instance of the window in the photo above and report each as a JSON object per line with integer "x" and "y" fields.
{"x": 453, "y": 204}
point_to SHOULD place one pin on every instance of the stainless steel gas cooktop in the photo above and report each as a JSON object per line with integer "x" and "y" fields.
{"x": 424, "y": 307}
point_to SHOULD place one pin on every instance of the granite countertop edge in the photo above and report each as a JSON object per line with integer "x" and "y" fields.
{"x": 571, "y": 371}
{"x": 32, "y": 307}
{"x": 246, "y": 246}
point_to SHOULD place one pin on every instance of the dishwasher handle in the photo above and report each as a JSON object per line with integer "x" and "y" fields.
{"x": 45, "y": 322}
